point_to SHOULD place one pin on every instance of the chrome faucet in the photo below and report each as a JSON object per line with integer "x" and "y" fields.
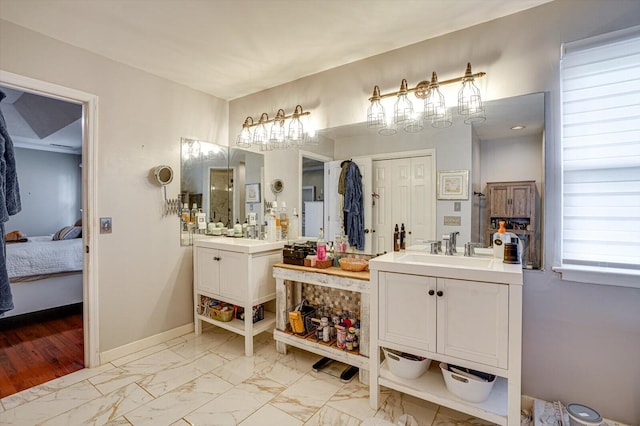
{"x": 451, "y": 244}
{"x": 470, "y": 248}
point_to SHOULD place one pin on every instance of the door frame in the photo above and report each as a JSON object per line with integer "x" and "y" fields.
{"x": 89, "y": 104}
{"x": 313, "y": 156}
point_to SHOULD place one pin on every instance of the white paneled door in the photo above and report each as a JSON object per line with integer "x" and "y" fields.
{"x": 404, "y": 195}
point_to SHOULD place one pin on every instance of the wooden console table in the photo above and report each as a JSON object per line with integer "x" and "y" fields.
{"x": 336, "y": 278}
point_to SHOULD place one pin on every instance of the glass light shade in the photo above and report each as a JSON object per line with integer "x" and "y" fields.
{"x": 260, "y": 134}
{"x": 276, "y": 135}
{"x": 244, "y": 138}
{"x": 376, "y": 115}
{"x": 434, "y": 106}
{"x": 469, "y": 99}
{"x": 443, "y": 119}
{"x": 389, "y": 129}
{"x": 402, "y": 110}
{"x": 296, "y": 131}
{"x": 266, "y": 146}
{"x": 414, "y": 124}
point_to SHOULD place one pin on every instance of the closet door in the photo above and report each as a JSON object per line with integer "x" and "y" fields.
{"x": 406, "y": 195}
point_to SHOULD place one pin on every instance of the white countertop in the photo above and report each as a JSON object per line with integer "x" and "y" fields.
{"x": 241, "y": 245}
{"x": 426, "y": 264}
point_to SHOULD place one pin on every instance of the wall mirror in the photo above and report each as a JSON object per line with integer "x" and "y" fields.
{"x": 502, "y": 154}
{"x": 214, "y": 177}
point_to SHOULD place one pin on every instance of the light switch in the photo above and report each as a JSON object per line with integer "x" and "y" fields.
{"x": 456, "y": 206}
{"x": 105, "y": 225}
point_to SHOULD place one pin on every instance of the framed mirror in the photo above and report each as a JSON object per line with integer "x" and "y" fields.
{"x": 505, "y": 151}
{"x": 213, "y": 177}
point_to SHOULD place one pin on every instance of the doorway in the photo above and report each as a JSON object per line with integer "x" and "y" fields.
{"x": 88, "y": 103}
{"x": 312, "y": 202}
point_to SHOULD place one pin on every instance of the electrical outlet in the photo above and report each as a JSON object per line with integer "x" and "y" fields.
{"x": 456, "y": 206}
{"x": 105, "y": 225}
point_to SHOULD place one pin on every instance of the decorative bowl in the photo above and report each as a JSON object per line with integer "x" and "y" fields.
{"x": 352, "y": 264}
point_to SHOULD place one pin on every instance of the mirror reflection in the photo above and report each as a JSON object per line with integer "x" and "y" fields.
{"x": 213, "y": 178}
{"x": 504, "y": 160}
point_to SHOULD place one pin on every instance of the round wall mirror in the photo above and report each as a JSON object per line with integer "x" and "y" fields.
{"x": 163, "y": 174}
{"x": 277, "y": 186}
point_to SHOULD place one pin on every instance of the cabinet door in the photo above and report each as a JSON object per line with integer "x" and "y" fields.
{"x": 207, "y": 270}
{"x": 473, "y": 321}
{"x": 407, "y": 311}
{"x": 521, "y": 201}
{"x": 234, "y": 272}
{"x": 499, "y": 196}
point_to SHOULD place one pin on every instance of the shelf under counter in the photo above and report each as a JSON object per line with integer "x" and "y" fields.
{"x": 431, "y": 386}
{"x": 336, "y": 354}
{"x": 237, "y": 326}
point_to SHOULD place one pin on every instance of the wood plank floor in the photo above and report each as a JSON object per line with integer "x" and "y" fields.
{"x": 36, "y": 348}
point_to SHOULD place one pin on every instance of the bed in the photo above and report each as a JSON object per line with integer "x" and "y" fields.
{"x": 44, "y": 273}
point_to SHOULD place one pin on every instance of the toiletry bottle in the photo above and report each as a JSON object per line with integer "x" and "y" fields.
{"x": 201, "y": 219}
{"x": 193, "y": 214}
{"x": 321, "y": 246}
{"x": 500, "y": 238}
{"x": 293, "y": 225}
{"x": 284, "y": 222}
{"x": 211, "y": 226}
{"x": 396, "y": 239}
{"x": 185, "y": 216}
{"x": 271, "y": 226}
{"x": 237, "y": 229}
{"x": 403, "y": 237}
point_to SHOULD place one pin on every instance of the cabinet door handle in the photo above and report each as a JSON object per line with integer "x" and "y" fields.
{"x": 439, "y": 293}
{"x": 431, "y": 292}
{"x": 217, "y": 258}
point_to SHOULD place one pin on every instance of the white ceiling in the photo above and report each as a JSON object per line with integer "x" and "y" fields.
{"x": 232, "y": 48}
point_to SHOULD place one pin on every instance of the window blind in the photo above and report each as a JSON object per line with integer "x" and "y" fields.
{"x": 600, "y": 98}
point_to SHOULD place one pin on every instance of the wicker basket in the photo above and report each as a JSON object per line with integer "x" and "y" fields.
{"x": 352, "y": 264}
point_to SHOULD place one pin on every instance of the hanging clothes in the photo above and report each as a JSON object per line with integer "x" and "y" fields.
{"x": 354, "y": 206}
{"x": 9, "y": 205}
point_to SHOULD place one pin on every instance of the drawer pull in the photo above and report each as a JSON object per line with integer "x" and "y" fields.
{"x": 431, "y": 292}
{"x": 439, "y": 293}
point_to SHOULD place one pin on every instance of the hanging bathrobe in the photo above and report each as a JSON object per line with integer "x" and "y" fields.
{"x": 9, "y": 205}
{"x": 354, "y": 206}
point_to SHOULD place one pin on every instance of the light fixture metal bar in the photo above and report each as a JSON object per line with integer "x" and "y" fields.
{"x": 276, "y": 118}
{"x": 421, "y": 88}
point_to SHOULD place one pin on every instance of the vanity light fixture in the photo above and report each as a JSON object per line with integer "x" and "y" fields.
{"x": 470, "y": 105}
{"x": 285, "y": 131}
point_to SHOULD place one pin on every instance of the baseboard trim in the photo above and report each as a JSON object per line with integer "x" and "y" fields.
{"x": 133, "y": 347}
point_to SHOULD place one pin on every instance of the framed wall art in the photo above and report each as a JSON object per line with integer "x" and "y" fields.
{"x": 453, "y": 185}
{"x": 252, "y": 192}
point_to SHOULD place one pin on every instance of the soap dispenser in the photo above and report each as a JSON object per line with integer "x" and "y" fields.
{"x": 500, "y": 238}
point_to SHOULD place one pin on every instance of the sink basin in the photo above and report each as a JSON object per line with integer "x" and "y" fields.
{"x": 442, "y": 260}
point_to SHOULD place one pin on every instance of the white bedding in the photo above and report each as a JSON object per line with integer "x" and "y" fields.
{"x": 42, "y": 255}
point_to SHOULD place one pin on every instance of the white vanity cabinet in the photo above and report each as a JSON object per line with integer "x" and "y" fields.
{"x": 458, "y": 314}
{"x": 236, "y": 271}
{"x": 465, "y": 319}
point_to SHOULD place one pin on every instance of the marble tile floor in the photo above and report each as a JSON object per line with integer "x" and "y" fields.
{"x": 207, "y": 380}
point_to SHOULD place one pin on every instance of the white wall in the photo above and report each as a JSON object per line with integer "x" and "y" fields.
{"x": 50, "y": 191}
{"x": 581, "y": 342}
{"x": 144, "y": 276}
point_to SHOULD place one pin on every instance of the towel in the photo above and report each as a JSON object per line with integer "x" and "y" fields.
{"x": 9, "y": 205}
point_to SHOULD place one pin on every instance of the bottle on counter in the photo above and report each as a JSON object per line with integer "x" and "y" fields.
{"x": 185, "y": 216}
{"x": 211, "y": 226}
{"x": 396, "y": 239}
{"x": 271, "y": 226}
{"x": 193, "y": 214}
{"x": 321, "y": 246}
{"x": 500, "y": 238}
{"x": 201, "y": 220}
{"x": 277, "y": 226}
{"x": 403, "y": 238}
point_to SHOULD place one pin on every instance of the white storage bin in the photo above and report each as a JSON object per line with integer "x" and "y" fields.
{"x": 404, "y": 366}
{"x": 466, "y": 386}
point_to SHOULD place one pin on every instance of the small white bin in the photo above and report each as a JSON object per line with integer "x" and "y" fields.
{"x": 406, "y": 366}
{"x": 581, "y": 415}
{"x": 467, "y": 387}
